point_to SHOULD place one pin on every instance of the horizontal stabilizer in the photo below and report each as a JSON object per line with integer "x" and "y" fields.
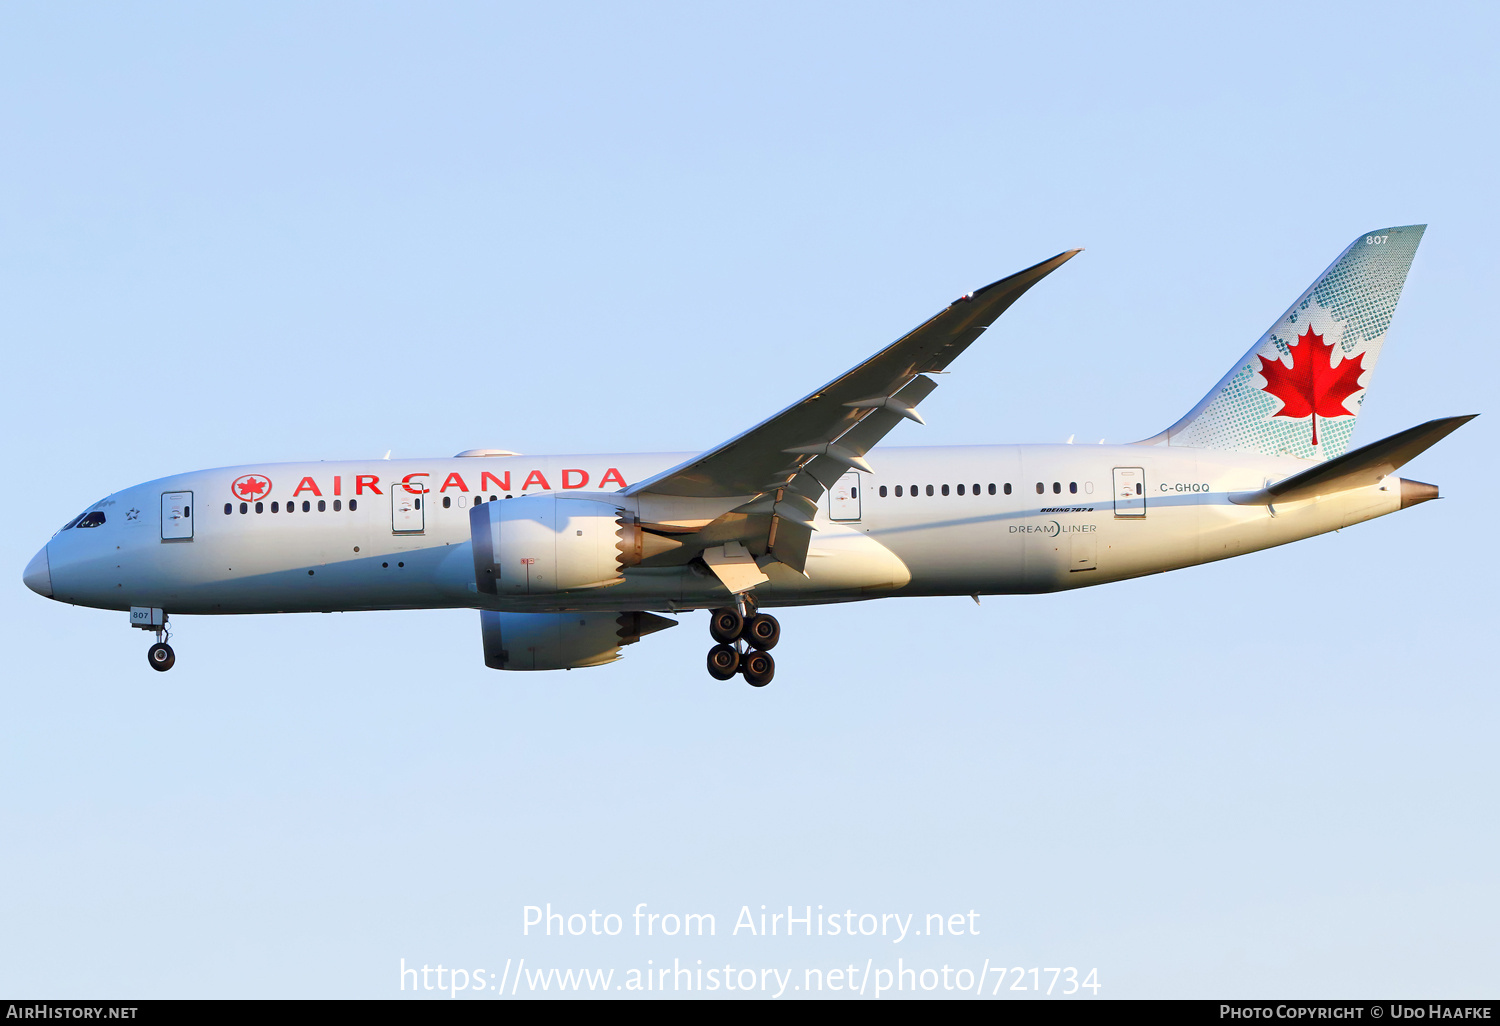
{"x": 1364, "y": 466}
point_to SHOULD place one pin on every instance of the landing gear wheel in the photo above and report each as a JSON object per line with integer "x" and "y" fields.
{"x": 161, "y": 657}
{"x": 758, "y": 668}
{"x": 725, "y": 625}
{"x": 723, "y": 662}
{"x": 762, "y": 631}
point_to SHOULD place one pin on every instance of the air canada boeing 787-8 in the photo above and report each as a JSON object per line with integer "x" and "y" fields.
{"x": 570, "y": 558}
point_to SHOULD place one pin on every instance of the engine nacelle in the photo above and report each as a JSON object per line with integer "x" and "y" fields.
{"x": 539, "y": 544}
{"x": 562, "y": 641}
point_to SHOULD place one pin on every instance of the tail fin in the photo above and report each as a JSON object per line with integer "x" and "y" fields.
{"x": 1298, "y": 391}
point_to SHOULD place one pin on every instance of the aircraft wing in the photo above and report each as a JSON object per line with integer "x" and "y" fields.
{"x": 782, "y": 465}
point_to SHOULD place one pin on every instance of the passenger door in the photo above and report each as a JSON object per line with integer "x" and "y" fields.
{"x": 407, "y": 515}
{"x": 1130, "y": 492}
{"x": 843, "y": 498}
{"x": 176, "y": 516}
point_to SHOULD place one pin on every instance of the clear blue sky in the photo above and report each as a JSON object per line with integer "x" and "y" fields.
{"x": 280, "y": 232}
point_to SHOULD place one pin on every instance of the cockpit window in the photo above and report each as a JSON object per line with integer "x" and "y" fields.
{"x": 73, "y": 522}
{"x": 93, "y": 519}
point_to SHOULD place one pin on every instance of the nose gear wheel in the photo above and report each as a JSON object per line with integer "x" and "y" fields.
{"x": 161, "y": 657}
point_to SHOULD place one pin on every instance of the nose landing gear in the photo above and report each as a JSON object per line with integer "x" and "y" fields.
{"x": 161, "y": 657}
{"x": 147, "y": 618}
{"x": 744, "y": 638}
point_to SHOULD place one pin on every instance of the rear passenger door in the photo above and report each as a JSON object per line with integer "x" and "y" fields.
{"x": 1130, "y": 492}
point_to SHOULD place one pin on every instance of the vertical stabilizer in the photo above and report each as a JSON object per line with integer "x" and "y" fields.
{"x": 1298, "y": 391}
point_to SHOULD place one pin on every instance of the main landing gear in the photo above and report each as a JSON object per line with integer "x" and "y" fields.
{"x": 743, "y": 644}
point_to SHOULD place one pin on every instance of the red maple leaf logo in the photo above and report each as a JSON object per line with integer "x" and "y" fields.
{"x": 250, "y": 487}
{"x": 1312, "y": 386}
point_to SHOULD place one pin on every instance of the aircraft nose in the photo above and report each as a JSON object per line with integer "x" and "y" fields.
{"x": 38, "y": 574}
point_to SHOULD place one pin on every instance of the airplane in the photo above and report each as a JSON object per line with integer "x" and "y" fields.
{"x": 571, "y": 558}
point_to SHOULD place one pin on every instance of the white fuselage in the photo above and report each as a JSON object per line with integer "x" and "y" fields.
{"x": 363, "y": 535}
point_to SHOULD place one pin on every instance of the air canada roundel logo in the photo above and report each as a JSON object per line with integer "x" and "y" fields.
{"x": 251, "y": 487}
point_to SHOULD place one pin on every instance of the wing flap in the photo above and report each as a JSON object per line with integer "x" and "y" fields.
{"x": 788, "y": 542}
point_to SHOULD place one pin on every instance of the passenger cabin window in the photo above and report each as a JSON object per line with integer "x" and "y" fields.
{"x": 93, "y": 519}
{"x": 306, "y": 506}
{"x": 898, "y": 491}
{"x": 882, "y": 491}
{"x": 322, "y": 506}
{"x": 338, "y": 504}
{"x": 1073, "y": 487}
{"x": 945, "y": 489}
{"x": 353, "y": 505}
{"x": 1056, "y": 487}
{"x": 447, "y": 501}
{"x": 1007, "y": 488}
{"x": 275, "y": 507}
{"x": 260, "y": 507}
{"x": 228, "y": 508}
{"x": 244, "y": 507}
{"x": 929, "y": 489}
{"x": 1040, "y": 488}
{"x": 961, "y": 490}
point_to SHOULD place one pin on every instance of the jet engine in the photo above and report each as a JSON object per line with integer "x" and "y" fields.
{"x": 562, "y": 641}
{"x": 540, "y": 544}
